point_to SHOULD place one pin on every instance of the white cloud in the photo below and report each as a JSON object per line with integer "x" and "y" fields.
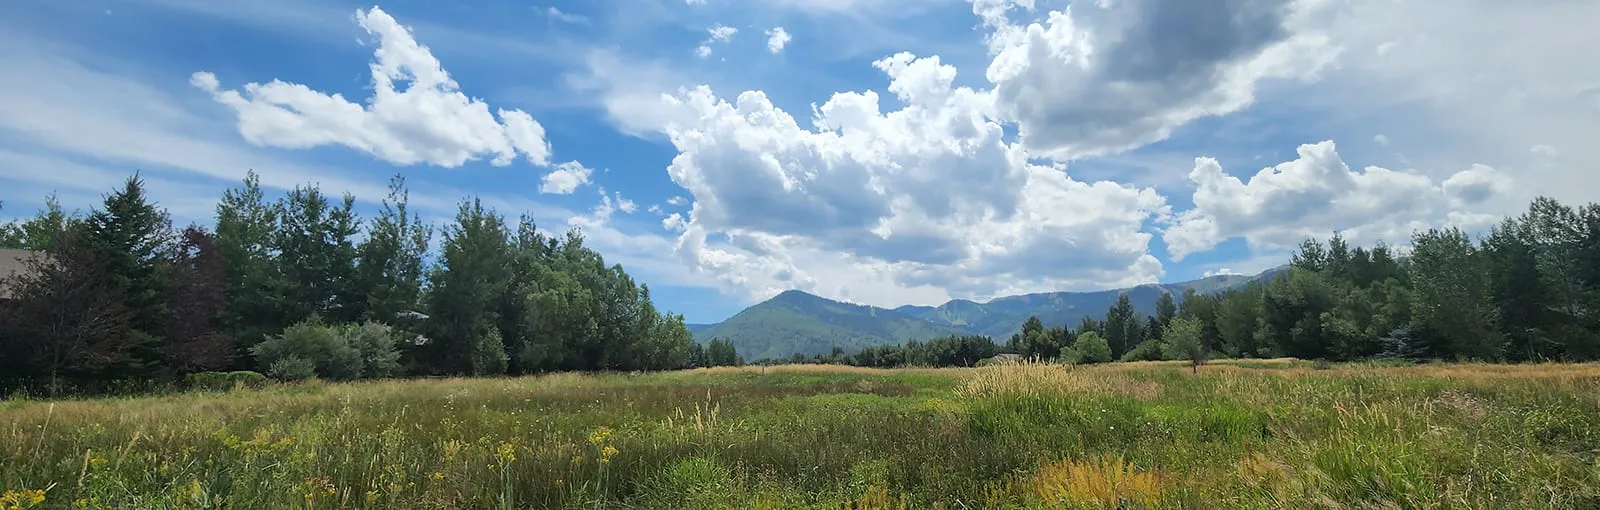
{"x": 777, "y": 38}
{"x": 1223, "y": 271}
{"x": 558, "y": 15}
{"x": 1102, "y": 78}
{"x": 719, "y": 35}
{"x": 677, "y": 200}
{"x": 655, "y": 209}
{"x": 1318, "y": 194}
{"x": 429, "y": 120}
{"x": 695, "y": 2}
{"x": 1477, "y": 81}
{"x": 625, "y": 205}
{"x": 913, "y": 204}
{"x": 673, "y": 222}
{"x": 565, "y": 178}
{"x": 1381, "y": 140}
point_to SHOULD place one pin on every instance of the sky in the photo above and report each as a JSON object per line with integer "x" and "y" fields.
{"x": 873, "y": 151}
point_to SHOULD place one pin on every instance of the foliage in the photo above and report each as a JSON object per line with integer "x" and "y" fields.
{"x": 1182, "y": 341}
{"x": 311, "y": 341}
{"x": 1091, "y": 348}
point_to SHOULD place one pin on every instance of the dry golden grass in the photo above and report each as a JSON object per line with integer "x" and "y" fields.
{"x": 1044, "y": 378}
{"x": 1102, "y": 481}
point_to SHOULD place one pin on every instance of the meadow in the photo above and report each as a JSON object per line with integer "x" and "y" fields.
{"x": 1240, "y": 434}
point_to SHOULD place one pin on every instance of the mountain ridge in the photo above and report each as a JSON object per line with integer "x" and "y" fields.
{"x": 795, "y": 321}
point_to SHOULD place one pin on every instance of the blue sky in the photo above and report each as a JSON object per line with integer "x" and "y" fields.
{"x": 875, "y": 151}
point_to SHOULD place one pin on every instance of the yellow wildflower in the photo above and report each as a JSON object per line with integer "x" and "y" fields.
{"x": 607, "y": 453}
{"x": 436, "y": 476}
{"x": 600, "y": 435}
{"x": 507, "y": 453}
{"x": 26, "y": 498}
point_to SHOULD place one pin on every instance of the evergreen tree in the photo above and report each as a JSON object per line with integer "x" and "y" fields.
{"x": 1122, "y": 327}
{"x": 389, "y": 264}
{"x": 473, "y": 270}
{"x": 317, "y": 255}
{"x": 130, "y": 237}
{"x": 246, "y": 238}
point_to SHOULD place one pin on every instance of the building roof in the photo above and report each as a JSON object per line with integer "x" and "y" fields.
{"x": 11, "y": 263}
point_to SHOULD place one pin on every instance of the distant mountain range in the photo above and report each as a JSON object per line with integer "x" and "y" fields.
{"x": 796, "y": 321}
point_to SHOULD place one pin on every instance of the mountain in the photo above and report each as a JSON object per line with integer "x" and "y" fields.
{"x": 795, "y": 321}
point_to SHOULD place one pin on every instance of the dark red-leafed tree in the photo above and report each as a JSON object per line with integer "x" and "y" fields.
{"x": 68, "y": 316}
{"x": 195, "y": 299}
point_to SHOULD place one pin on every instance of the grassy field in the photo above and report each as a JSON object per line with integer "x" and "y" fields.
{"x": 1256, "y": 434}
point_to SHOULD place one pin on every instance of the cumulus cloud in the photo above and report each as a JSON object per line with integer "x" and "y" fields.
{"x": 927, "y": 198}
{"x": 1105, "y": 77}
{"x": 417, "y": 113}
{"x": 677, "y": 200}
{"x": 777, "y": 38}
{"x": 1317, "y": 194}
{"x": 565, "y": 178}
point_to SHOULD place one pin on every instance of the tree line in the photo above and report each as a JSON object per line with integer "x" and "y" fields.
{"x": 302, "y": 285}
{"x": 1527, "y": 291}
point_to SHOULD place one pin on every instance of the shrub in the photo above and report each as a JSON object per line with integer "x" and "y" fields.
{"x": 328, "y": 352}
{"x": 292, "y": 368}
{"x": 1091, "y": 348}
{"x": 1148, "y": 350}
{"x": 489, "y": 353}
{"x": 377, "y": 345}
{"x": 224, "y": 381}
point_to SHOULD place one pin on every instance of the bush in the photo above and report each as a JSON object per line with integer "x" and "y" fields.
{"x": 377, "y": 345}
{"x": 324, "y": 347}
{"x": 1090, "y": 348}
{"x": 1148, "y": 350}
{"x": 292, "y": 368}
{"x": 224, "y": 381}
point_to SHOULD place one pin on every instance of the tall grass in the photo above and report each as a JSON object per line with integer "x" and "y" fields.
{"x": 1276, "y": 434}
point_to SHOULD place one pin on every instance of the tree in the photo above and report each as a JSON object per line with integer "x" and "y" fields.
{"x": 1123, "y": 329}
{"x": 1182, "y": 340}
{"x": 1451, "y": 302}
{"x": 389, "y": 266}
{"x": 1238, "y": 314}
{"x": 317, "y": 255}
{"x": 130, "y": 237}
{"x": 1166, "y": 310}
{"x": 68, "y": 317}
{"x": 473, "y": 270}
{"x": 246, "y": 238}
{"x": 195, "y": 301}
{"x": 40, "y": 232}
{"x": 720, "y": 352}
{"x": 1091, "y": 348}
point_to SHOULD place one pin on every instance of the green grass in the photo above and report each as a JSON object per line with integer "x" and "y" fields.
{"x": 1274, "y": 434}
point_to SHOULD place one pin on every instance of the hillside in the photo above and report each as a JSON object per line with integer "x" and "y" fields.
{"x": 795, "y": 321}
